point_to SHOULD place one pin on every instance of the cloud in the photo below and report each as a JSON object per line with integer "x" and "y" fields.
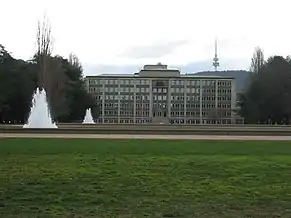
{"x": 192, "y": 67}
{"x": 156, "y": 50}
{"x": 110, "y": 68}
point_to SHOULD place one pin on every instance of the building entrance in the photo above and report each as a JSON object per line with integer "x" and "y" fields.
{"x": 160, "y": 100}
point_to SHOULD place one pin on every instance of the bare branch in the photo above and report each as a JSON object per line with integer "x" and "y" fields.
{"x": 44, "y": 39}
{"x": 75, "y": 61}
{"x": 258, "y": 60}
{"x": 44, "y": 50}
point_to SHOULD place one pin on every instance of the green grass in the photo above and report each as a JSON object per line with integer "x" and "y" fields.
{"x": 144, "y": 178}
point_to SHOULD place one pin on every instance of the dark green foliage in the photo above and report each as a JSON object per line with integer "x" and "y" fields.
{"x": 65, "y": 88}
{"x": 144, "y": 178}
{"x": 268, "y": 97}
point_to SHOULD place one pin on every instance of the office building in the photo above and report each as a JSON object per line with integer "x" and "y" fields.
{"x": 160, "y": 95}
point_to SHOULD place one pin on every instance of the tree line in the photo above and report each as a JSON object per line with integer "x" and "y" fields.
{"x": 19, "y": 79}
{"x": 267, "y": 98}
{"x": 61, "y": 77}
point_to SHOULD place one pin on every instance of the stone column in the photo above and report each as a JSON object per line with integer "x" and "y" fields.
{"x": 201, "y": 95}
{"x": 151, "y": 99}
{"x": 118, "y": 97}
{"x": 216, "y": 100}
{"x": 134, "y": 101}
{"x": 103, "y": 100}
{"x": 169, "y": 100}
{"x": 233, "y": 100}
{"x": 185, "y": 101}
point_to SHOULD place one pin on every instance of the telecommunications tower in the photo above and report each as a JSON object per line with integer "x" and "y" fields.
{"x": 215, "y": 59}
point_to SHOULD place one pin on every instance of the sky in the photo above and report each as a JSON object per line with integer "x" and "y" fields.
{"x": 115, "y": 36}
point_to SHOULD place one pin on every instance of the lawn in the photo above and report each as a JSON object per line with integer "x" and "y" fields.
{"x": 144, "y": 178}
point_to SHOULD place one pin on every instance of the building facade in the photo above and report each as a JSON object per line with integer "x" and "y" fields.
{"x": 160, "y": 95}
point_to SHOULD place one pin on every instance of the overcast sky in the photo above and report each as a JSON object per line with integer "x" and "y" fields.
{"x": 121, "y": 35}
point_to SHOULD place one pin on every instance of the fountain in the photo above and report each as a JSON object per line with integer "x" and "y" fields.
{"x": 40, "y": 116}
{"x": 88, "y": 119}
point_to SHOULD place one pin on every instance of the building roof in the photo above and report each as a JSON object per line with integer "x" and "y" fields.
{"x": 114, "y": 75}
{"x": 160, "y": 71}
{"x": 183, "y": 76}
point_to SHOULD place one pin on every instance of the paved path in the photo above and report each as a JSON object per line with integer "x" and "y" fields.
{"x": 173, "y": 137}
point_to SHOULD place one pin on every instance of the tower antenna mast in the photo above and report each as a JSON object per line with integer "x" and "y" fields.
{"x": 215, "y": 59}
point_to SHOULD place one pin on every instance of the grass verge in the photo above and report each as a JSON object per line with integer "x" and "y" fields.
{"x": 144, "y": 178}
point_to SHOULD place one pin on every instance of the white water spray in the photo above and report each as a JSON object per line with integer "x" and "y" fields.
{"x": 88, "y": 119}
{"x": 40, "y": 116}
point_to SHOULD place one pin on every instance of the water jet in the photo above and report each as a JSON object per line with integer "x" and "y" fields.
{"x": 88, "y": 119}
{"x": 40, "y": 116}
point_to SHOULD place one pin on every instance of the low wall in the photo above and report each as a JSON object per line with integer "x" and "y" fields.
{"x": 154, "y": 130}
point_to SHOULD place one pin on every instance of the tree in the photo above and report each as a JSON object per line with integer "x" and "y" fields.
{"x": 78, "y": 98}
{"x": 61, "y": 78}
{"x": 267, "y": 99}
{"x": 17, "y": 81}
{"x": 75, "y": 62}
{"x": 257, "y": 60}
{"x": 68, "y": 97}
{"x": 43, "y": 53}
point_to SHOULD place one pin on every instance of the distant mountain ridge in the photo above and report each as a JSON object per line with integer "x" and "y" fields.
{"x": 241, "y": 76}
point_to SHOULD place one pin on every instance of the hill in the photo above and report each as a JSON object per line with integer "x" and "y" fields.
{"x": 241, "y": 76}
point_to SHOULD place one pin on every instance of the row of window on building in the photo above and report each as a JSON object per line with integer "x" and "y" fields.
{"x": 162, "y": 98}
{"x": 172, "y": 121}
{"x": 155, "y": 91}
{"x": 108, "y": 121}
{"x": 173, "y": 113}
{"x": 189, "y": 82}
{"x": 119, "y": 81}
{"x": 172, "y": 106}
